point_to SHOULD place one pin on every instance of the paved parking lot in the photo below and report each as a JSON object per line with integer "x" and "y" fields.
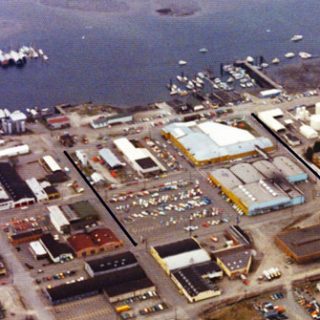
{"x": 93, "y": 308}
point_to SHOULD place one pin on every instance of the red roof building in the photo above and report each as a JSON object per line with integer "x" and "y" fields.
{"x": 58, "y": 122}
{"x": 98, "y": 240}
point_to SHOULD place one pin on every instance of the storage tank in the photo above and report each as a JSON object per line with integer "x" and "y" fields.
{"x": 318, "y": 108}
{"x": 315, "y": 122}
{"x": 308, "y": 132}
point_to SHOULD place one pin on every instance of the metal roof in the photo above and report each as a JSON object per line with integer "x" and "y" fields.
{"x": 187, "y": 259}
{"x": 246, "y": 172}
{"x": 110, "y": 158}
{"x": 209, "y": 140}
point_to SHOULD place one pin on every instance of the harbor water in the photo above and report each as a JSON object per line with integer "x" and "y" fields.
{"x": 127, "y": 57}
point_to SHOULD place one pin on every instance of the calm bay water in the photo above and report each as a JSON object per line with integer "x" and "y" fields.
{"x": 127, "y": 59}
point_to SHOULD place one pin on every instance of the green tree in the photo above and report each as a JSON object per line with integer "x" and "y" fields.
{"x": 316, "y": 146}
{"x": 309, "y": 154}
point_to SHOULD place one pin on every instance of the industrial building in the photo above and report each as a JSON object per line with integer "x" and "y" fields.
{"x": 110, "y": 159}
{"x": 188, "y": 265}
{"x": 255, "y": 192}
{"x": 102, "y": 121}
{"x": 82, "y": 157}
{"x": 269, "y": 118}
{"x": 301, "y": 244}
{"x": 281, "y": 165}
{"x": 116, "y": 282}
{"x": 14, "y": 151}
{"x": 57, "y": 251}
{"x": 81, "y": 215}
{"x": 59, "y": 121}
{"x": 37, "y": 250}
{"x": 234, "y": 261}
{"x": 94, "y": 242}
{"x": 58, "y": 219}
{"x": 141, "y": 159}
{"x": 14, "y": 192}
{"x": 13, "y": 123}
{"x": 212, "y": 142}
{"x": 50, "y": 164}
{"x": 19, "y": 237}
{"x": 38, "y": 191}
{"x": 108, "y": 264}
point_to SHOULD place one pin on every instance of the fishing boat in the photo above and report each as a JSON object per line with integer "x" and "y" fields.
{"x": 250, "y": 59}
{"x": 182, "y": 78}
{"x": 199, "y": 80}
{"x": 203, "y": 50}
{"x": 305, "y": 55}
{"x": 190, "y": 85}
{"x": 275, "y": 61}
{"x": 289, "y": 55}
{"x": 297, "y": 37}
{"x": 182, "y": 62}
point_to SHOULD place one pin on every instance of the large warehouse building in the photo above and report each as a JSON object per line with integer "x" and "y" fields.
{"x": 302, "y": 245}
{"x": 212, "y": 142}
{"x": 253, "y": 192}
{"x": 113, "y": 279}
{"x": 14, "y": 192}
{"x": 188, "y": 265}
{"x": 141, "y": 159}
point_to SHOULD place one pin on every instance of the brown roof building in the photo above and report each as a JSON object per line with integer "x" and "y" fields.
{"x": 301, "y": 244}
{"x": 234, "y": 261}
{"x": 98, "y": 240}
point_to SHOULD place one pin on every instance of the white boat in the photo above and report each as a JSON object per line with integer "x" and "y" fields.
{"x": 230, "y": 80}
{"x": 173, "y": 92}
{"x": 215, "y": 86}
{"x": 40, "y": 52}
{"x": 289, "y": 55}
{"x": 182, "y": 78}
{"x": 198, "y": 85}
{"x": 203, "y": 50}
{"x": 275, "y": 61}
{"x": 201, "y": 75}
{"x": 190, "y": 85}
{"x": 305, "y": 55}
{"x": 250, "y": 59}
{"x": 199, "y": 80}
{"x": 45, "y": 58}
{"x": 297, "y": 37}
{"x": 33, "y": 53}
{"x": 182, "y": 62}
{"x": 264, "y": 65}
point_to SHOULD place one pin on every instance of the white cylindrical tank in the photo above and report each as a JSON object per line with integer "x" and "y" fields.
{"x": 318, "y": 108}
{"x": 308, "y": 132}
{"x": 315, "y": 122}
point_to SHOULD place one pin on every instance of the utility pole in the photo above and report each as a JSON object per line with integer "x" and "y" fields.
{"x": 190, "y": 225}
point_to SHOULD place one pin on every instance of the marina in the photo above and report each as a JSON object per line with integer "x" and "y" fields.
{"x": 20, "y": 57}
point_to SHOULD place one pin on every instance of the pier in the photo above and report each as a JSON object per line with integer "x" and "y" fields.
{"x": 261, "y": 78}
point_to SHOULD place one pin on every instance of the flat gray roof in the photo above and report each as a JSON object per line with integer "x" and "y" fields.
{"x": 246, "y": 172}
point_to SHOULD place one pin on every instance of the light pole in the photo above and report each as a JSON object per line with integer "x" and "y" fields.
{"x": 190, "y": 225}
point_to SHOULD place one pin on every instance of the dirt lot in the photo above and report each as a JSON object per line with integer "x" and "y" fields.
{"x": 241, "y": 311}
{"x": 12, "y": 303}
{"x": 299, "y": 77}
